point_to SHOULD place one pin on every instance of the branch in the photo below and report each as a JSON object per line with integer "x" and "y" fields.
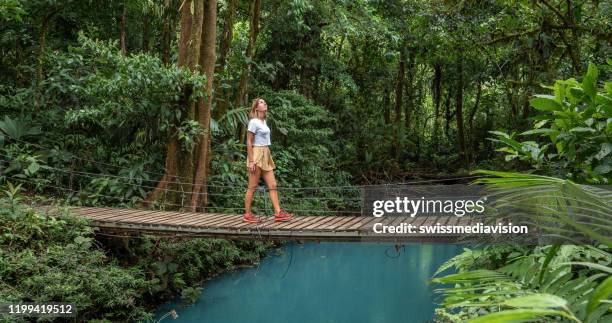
{"x": 511, "y": 36}
{"x": 557, "y": 12}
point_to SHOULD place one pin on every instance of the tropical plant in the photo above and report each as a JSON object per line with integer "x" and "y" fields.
{"x": 566, "y": 282}
{"x": 17, "y": 128}
{"x": 575, "y": 127}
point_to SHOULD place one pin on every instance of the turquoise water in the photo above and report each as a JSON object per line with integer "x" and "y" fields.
{"x": 324, "y": 282}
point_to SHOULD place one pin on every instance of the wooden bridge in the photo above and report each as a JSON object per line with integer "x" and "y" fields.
{"x": 216, "y": 225}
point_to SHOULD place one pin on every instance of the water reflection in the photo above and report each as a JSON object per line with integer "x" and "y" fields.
{"x": 325, "y": 282}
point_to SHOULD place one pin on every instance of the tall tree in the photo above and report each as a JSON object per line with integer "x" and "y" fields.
{"x": 459, "y": 113}
{"x": 179, "y": 164}
{"x": 122, "y": 22}
{"x": 224, "y": 47}
{"x": 399, "y": 90}
{"x": 241, "y": 93}
{"x": 207, "y": 63}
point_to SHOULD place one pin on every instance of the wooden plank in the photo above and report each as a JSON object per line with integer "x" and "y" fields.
{"x": 319, "y": 224}
{"x": 93, "y": 212}
{"x": 286, "y": 225}
{"x": 400, "y": 219}
{"x": 370, "y": 225}
{"x": 367, "y": 226}
{"x": 135, "y": 214}
{"x": 97, "y": 213}
{"x": 430, "y": 220}
{"x": 418, "y": 220}
{"x": 246, "y": 224}
{"x": 212, "y": 220}
{"x": 446, "y": 219}
{"x": 363, "y": 221}
{"x": 464, "y": 221}
{"x": 301, "y": 225}
{"x": 110, "y": 213}
{"x": 232, "y": 223}
{"x": 137, "y": 217}
{"x": 106, "y": 214}
{"x": 330, "y": 224}
{"x": 453, "y": 220}
{"x": 277, "y": 234}
{"x": 269, "y": 223}
{"x": 160, "y": 217}
{"x": 167, "y": 217}
{"x": 186, "y": 218}
{"x": 291, "y": 225}
{"x": 313, "y": 225}
{"x": 346, "y": 226}
{"x": 193, "y": 219}
{"x": 337, "y": 224}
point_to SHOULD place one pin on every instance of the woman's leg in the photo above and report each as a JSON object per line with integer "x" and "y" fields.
{"x": 253, "y": 181}
{"x": 268, "y": 176}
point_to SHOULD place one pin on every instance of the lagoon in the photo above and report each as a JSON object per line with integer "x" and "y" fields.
{"x": 324, "y": 282}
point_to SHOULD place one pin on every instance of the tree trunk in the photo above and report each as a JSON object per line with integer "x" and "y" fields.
{"x": 241, "y": 93}
{"x": 146, "y": 32}
{"x": 207, "y": 63}
{"x": 188, "y": 56}
{"x": 186, "y": 21}
{"x": 166, "y": 34}
{"x": 188, "y": 161}
{"x": 387, "y": 105}
{"x": 437, "y": 96}
{"x": 399, "y": 90}
{"x": 42, "y": 42}
{"x": 448, "y": 116}
{"x": 227, "y": 35}
{"x": 411, "y": 67}
{"x": 459, "y": 112}
{"x": 224, "y": 47}
{"x": 473, "y": 114}
{"x": 122, "y": 30}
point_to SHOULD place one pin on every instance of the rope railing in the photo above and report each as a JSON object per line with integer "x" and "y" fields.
{"x": 94, "y": 175}
{"x": 209, "y": 189}
{"x": 212, "y": 207}
{"x": 337, "y": 187}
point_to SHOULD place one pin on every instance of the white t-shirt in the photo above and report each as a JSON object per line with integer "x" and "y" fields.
{"x": 261, "y": 131}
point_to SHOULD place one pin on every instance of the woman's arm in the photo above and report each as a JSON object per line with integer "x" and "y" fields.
{"x": 251, "y": 162}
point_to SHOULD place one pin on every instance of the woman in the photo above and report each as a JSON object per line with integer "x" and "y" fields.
{"x": 260, "y": 163}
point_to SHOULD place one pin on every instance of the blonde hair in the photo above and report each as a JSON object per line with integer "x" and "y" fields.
{"x": 253, "y": 113}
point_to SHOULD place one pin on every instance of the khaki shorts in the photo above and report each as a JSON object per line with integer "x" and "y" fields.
{"x": 262, "y": 158}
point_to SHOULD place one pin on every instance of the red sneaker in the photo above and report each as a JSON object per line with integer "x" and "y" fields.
{"x": 249, "y": 217}
{"x": 283, "y": 216}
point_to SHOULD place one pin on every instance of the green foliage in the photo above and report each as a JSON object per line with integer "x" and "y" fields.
{"x": 11, "y": 10}
{"x": 46, "y": 257}
{"x": 575, "y": 130}
{"x": 562, "y": 208}
{"x": 188, "y": 134}
{"x": 513, "y": 292}
{"x": 56, "y": 257}
{"x": 561, "y": 281}
{"x": 12, "y": 197}
{"x": 107, "y": 90}
{"x": 17, "y": 129}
